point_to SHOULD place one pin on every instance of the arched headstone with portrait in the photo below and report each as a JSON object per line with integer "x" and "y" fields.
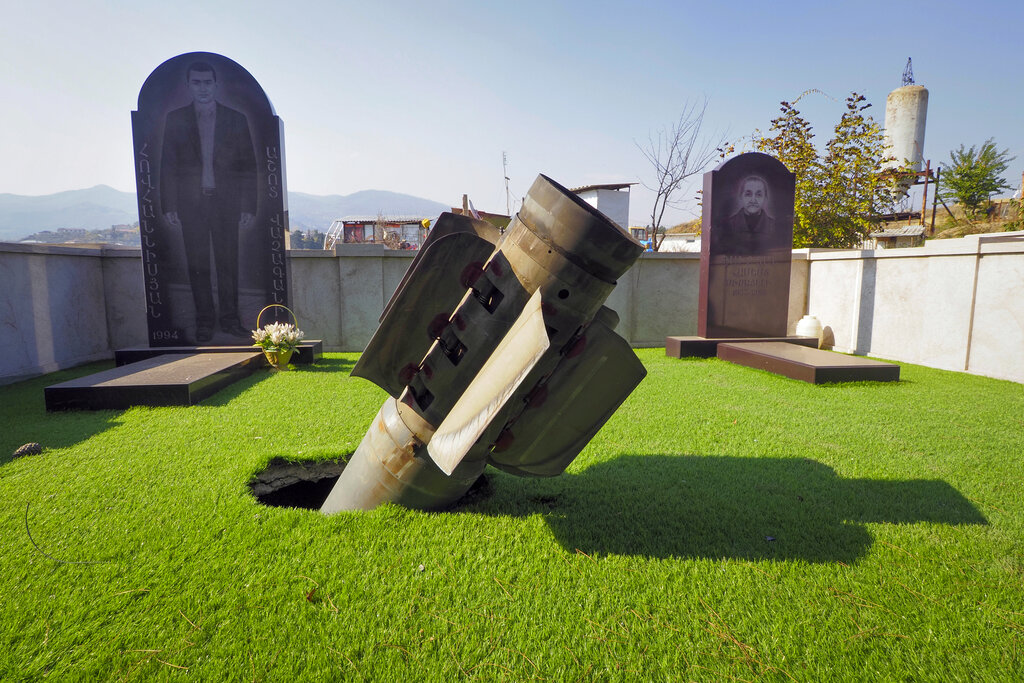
{"x": 746, "y": 248}
{"x": 213, "y": 208}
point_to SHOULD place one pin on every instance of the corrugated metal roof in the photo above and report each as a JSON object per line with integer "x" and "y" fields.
{"x": 605, "y": 186}
{"x": 904, "y": 231}
{"x": 386, "y": 219}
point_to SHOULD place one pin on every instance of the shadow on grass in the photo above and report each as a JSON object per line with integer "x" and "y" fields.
{"x": 864, "y": 383}
{"x": 721, "y": 507}
{"x": 328, "y": 365}
{"x": 233, "y": 390}
{"x": 25, "y": 419}
{"x": 229, "y": 393}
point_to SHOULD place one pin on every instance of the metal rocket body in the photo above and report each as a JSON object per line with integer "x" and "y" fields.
{"x": 495, "y": 349}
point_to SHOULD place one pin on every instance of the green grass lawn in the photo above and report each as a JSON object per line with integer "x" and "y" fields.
{"x": 726, "y": 524}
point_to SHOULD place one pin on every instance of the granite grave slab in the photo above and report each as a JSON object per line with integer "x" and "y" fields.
{"x": 701, "y": 347}
{"x": 308, "y": 352}
{"x": 808, "y": 364}
{"x": 166, "y": 380}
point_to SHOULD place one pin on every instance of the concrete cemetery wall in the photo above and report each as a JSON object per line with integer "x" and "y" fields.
{"x": 340, "y": 299}
{"x": 62, "y": 306}
{"x": 955, "y": 304}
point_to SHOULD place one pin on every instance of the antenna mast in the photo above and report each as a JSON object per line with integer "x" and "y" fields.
{"x": 508, "y": 197}
{"x": 908, "y": 73}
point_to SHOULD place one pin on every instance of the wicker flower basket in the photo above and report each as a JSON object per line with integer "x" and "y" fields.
{"x": 278, "y": 357}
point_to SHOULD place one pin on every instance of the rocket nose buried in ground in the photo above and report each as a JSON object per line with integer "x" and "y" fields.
{"x": 498, "y": 350}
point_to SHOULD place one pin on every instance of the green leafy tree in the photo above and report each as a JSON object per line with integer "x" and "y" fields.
{"x": 838, "y": 195}
{"x": 973, "y": 175}
{"x": 313, "y": 239}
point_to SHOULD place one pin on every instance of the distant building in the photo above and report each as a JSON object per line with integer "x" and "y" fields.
{"x": 399, "y": 232}
{"x": 670, "y": 242}
{"x": 896, "y": 238}
{"x": 686, "y": 242}
{"x": 611, "y": 199}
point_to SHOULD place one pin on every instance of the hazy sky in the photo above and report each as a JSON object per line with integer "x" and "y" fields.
{"x": 423, "y": 97}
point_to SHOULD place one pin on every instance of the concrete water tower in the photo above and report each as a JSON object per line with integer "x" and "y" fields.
{"x": 906, "y": 109}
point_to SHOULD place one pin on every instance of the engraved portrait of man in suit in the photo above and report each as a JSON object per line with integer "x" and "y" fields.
{"x": 208, "y": 189}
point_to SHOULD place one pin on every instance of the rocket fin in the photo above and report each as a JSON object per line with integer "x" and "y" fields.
{"x": 432, "y": 288}
{"x": 486, "y": 396}
{"x": 447, "y": 224}
{"x": 580, "y": 395}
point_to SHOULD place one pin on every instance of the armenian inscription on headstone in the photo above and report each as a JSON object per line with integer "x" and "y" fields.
{"x": 213, "y": 212}
{"x": 746, "y": 249}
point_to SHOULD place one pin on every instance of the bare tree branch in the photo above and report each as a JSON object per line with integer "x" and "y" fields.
{"x": 677, "y": 153}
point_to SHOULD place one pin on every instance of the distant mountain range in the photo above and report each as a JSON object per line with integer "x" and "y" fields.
{"x": 317, "y": 212}
{"x": 97, "y": 208}
{"x": 100, "y": 207}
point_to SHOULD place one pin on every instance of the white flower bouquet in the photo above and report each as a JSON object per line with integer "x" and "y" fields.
{"x": 279, "y": 337}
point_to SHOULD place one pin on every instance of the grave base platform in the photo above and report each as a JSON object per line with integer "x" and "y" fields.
{"x": 166, "y": 380}
{"x": 808, "y": 364}
{"x": 707, "y": 347}
{"x": 307, "y": 353}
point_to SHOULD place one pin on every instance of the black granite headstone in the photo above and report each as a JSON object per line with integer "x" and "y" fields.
{"x": 746, "y": 248}
{"x": 213, "y": 211}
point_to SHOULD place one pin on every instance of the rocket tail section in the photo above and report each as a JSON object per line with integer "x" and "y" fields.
{"x": 507, "y": 350}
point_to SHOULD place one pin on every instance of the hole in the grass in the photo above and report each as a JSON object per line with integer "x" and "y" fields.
{"x": 306, "y": 485}
{"x": 296, "y": 484}
{"x": 481, "y": 490}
